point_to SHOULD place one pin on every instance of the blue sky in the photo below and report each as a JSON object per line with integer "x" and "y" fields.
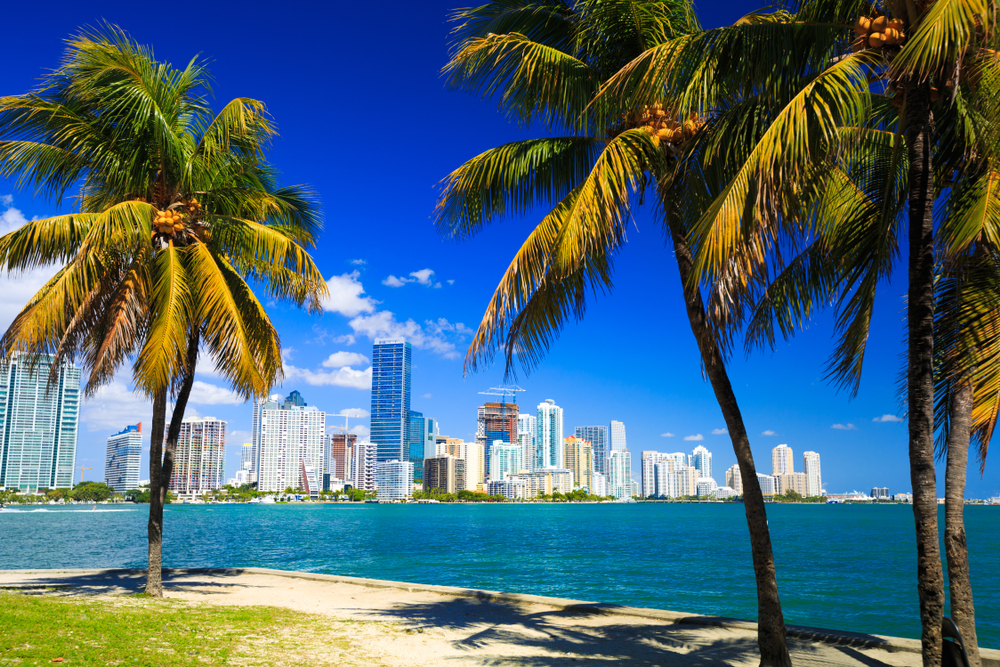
{"x": 366, "y": 120}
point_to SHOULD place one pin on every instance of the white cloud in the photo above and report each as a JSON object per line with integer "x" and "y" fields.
{"x": 845, "y": 427}
{"x": 383, "y": 324}
{"x": 719, "y": 431}
{"x": 203, "y": 393}
{"x": 358, "y": 262}
{"x": 6, "y": 200}
{"x": 346, "y": 339}
{"x": 361, "y": 431}
{"x": 695, "y": 437}
{"x": 888, "y": 418}
{"x": 340, "y": 377}
{"x": 451, "y": 282}
{"x": 237, "y": 438}
{"x": 114, "y": 407}
{"x": 437, "y": 285}
{"x": 426, "y": 396}
{"x": 354, "y": 412}
{"x": 666, "y": 435}
{"x": 341, "y": 359}
{"x": 346, "y": 296}
{"x": 422, "y": 277}
{"x": 768, "y": 432}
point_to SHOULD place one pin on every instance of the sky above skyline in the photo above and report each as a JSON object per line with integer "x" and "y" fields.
{"x": 366, "y": 120}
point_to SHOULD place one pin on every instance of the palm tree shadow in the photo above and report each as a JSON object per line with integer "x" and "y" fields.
{"x": 122, "y": 582}
{"x": 507, "y": 633}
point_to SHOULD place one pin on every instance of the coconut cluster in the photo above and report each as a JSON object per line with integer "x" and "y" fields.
{"x": 169, "y": 222}
{"x": 877, "y": 32}
{"x": 654, "y": 119}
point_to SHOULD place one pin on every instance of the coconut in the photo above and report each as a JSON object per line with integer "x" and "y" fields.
{"x": 861, "y": 25}
{"x": 677, "y": 136}
{"x": 896, "y": 24}
{"x": 891, "y": 36}
{"x": 879, "y": 24}
{"x": 664, "y": 134}
{"x": 875, "y": 40}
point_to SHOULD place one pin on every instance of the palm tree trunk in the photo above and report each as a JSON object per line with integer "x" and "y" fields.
{"x": 154, "y": 581}
{"x": 770, "y": 621}
{"x": 920, "y": 372}
{"x": 158, "y": 493}
{"x": 962, "y": 610}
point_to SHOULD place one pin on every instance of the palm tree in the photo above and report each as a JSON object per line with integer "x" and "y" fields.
{"x": 839, "y": 170}
{"x": 178, "y": 217}
{"x": 546, "y": 62}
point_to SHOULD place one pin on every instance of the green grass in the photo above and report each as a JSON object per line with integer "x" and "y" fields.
{"x": 135, "y": 631}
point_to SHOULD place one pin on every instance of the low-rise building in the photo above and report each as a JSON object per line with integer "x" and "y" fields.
{"x": 444, "y": 472}
{"x": 394, "y": 480}
{"x": 791, "y": 481}
{"x": 512, "y": 488}
{"x": 546, "y": 481}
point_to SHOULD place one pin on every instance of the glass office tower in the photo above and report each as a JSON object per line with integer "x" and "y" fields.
{"x": 390, "y": 420}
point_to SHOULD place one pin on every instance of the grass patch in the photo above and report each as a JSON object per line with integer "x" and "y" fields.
{"x": 150, "y": 632}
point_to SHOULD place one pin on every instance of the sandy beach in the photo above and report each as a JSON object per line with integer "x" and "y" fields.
{"x": 404, "y": 625}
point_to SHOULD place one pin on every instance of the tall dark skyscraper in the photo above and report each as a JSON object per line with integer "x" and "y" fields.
{"x": 391, "y": 399}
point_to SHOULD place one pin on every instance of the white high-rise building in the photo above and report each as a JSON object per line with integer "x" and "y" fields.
{"x": 706, "y": 486}
{"x": 288, "y": 443}
{"x": 394, "y": 480}
{"x": 649, "y": 461}
{"x": 768, "y": 484}
{"x": 701, "y": 460}
{"x": 600, "y": 485}
{"x": 505, "y": 459}
{"x": 246, "y": 456}
{"x": 475, "y": 461}
{"x": 618, "y": 437}
{"x": 674, "y": 480}
{"x": 121, "y": 459}
{"x": 362, "y": 465}
{"x": 38, "y": 422}
{"x": 597, "y": 436}
{"x": 814, "y": 480}
{"x": 199, "y": 463}
{"x": 781, "y": 460}
{"x": 549, "y": 436}
{"x": 734, "y": 480}
{"x": 620, "y": 474}
{"x": 527, "y": 428}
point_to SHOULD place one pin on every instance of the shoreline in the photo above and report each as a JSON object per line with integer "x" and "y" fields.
{"x": 324, "y": 593}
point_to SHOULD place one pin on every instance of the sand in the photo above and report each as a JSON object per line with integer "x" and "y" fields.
{"x": 401, "y": 626}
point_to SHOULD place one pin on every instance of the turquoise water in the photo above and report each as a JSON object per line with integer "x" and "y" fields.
{"x": 848, "y": 567}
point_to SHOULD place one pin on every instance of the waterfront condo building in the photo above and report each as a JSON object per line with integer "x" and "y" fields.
{"x": 600, "y": 485}
{"x": 674, "y": 480}
{"x": 444, "y": 472}
{"x": 768, "y": 484}
{"x": 390, "y": 418}
{"x": 422, "y": 436}
{"x": 394, "y": 480}
{"x": 39, "y": 421}
{"x": 880, "y": 493}
{"x": 512, "y": 488}
{"x": 781, "y": 460}
{"x": 579, "y": 457}
{"x": 288, "y": 441}
{"x": 246, "y": 456}
{"x": 734, "y": 480}
{"x": 814, "y": 480}
{"x": 475, "y": 461}
{"x": 597, "y": 436}
{"x": 199, "y": 461}
{"x": 649, "y": 461}
{"x": 701, "y": 460}
{"x": 620, "y": 474}
{"x": 361, "y": 461}
{"x": 705, "y": 487}
{"x": 549, "y": 437}
{"x": 506, "y": 459}
{"x": 547, "y": 481}
{"x": 617, "y": 440}
{"x": 121, "y": 459}
{"x": 527, "y": 427}
{"x": 496, "y": 421}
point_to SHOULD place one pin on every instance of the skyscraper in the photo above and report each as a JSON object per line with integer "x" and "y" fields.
{"x": 649, "y": 461}
{"x": 362, "y": 465}
{"x": 620, "y": 474}
{"x": 422, "y": 436}
{"x": 701, "y": 460}
{"x": 201, "y": 456}
{"x": 121, "y": 459}
{"x": 579, "y": 457}
{"x": 390, "y": 419}
{"x": 394, "y": 480}
{"x": 527, "y": 427}
{"x": 246, "y": 456}
{"x": 505, "y": 459}
{"x": 496, "y": 421}
{"x": 618, "y": 437}
{"x": 288, "y": 444}
{"x": 598, "y": 438}
{"x": 339, "y": 449}
{"x": 444, "y": 472}
{"x": 814, "y": 480}
{"x": 549, "y": 436}
{"x": 733, "y": 479}
{"x": 474, "y": 472}
{"x": 38, "y": 422}
{"x": 781, "y": 460}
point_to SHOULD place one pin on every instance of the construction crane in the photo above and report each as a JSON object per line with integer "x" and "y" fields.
{"x": 82, "y": 469}
{"x": 503, "y": 391}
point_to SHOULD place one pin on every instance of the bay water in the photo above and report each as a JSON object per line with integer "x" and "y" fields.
{"x": 845, "y": 567}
